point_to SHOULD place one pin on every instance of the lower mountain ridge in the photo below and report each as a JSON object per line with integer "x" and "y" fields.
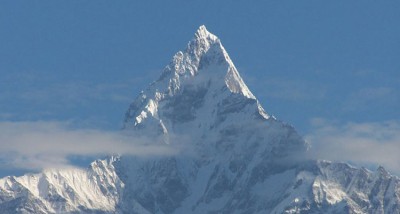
{"x": 179, "y": 185}
{"x": 233, "y": 157}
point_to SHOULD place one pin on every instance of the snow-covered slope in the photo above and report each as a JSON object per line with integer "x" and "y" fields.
{"x": 201, "y": 94}
{"x": 168, "y": 186}
{"x": 235, "y": 157}
{"x": 94, "y": 190}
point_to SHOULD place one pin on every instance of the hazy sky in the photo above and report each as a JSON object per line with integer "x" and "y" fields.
{"x": 314, "y": 64}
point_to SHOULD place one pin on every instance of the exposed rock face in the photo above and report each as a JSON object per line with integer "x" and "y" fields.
{"x": 236, "y": 158}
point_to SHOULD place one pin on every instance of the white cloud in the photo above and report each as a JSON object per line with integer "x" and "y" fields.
{"x": 376, "y": 143}
{"x": 38, "y": 145}
{"x": 366, "y": 98}
{"x": 290, "y": 89}
{"x": 72, "y": 92}
{"x": 42, "y": 88}
{"x": 5, "y": 116}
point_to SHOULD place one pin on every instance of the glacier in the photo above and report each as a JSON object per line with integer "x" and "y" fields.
{"x": 234, "y": 156}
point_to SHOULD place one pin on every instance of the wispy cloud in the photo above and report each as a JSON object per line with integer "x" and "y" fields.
{"x": 76, "y": 92}
{"x": 289, "y": 89}
{"x": 38, "y": 145}
{"x": 366, "y": 98}
{"x": 44, "y": 89}
{"x": 364, "y": 72}
{"x": 5, "y": 116}
{"x": 363, "y": 143}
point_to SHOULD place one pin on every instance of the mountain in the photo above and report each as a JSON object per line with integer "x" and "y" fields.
{"x": 233, "y": 156}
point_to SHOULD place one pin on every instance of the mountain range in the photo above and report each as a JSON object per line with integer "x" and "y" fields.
{"x": 233, "y": 157}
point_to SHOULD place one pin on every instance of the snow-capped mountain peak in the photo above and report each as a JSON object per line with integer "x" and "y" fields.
{"x": 204, "y": 51}
{"x": 204, "y": 74}
{"x": 200, "y": 44}
{"x": 202, "y": 32}
{"x": 207, "y": 51}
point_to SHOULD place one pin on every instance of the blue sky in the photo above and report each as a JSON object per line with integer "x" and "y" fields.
{"x": 313, "y": 64}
